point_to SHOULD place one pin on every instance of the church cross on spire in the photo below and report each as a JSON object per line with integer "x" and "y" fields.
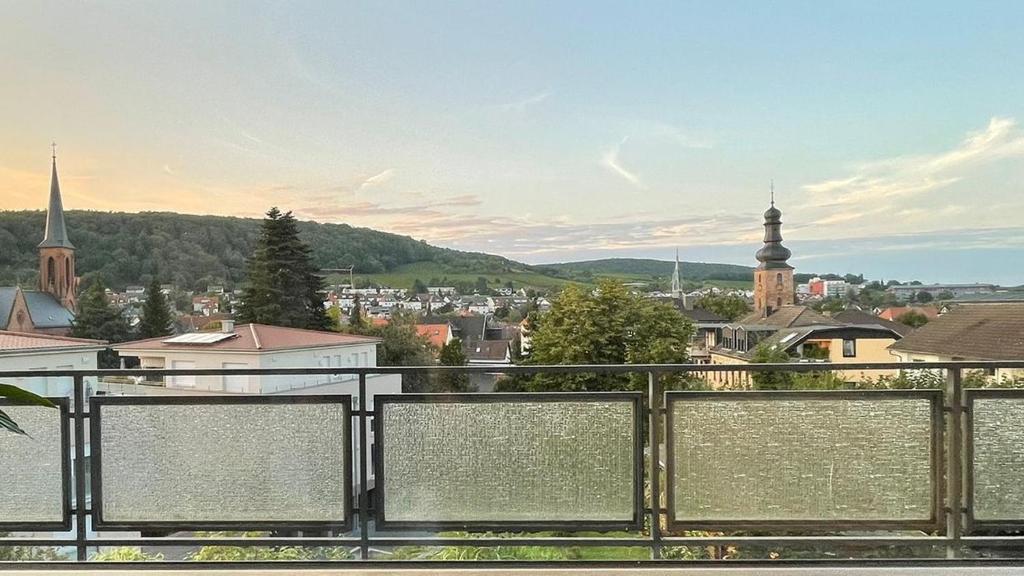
{"x": 53, "y": 146}
{"x": 771, "y": 186}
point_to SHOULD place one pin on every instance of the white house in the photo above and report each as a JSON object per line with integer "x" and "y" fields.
{"x": 36, "y": 352}
{"x": 257, "y": 346}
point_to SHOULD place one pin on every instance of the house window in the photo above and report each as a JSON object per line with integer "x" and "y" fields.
{"x": 849, "y": 348}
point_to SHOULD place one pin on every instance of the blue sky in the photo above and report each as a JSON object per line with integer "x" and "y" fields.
{"x": 543, "y": 131}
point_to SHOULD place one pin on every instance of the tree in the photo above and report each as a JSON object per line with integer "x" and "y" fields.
{"x": 28, "y": 553}
{"x": 401, "y": 345}
{"x": 98, "y": 319}
{"x": 452, "y": 355}
{"x": 355, "y": 318}
{"x": 924, "y": 297}
{"x": 912, "y": 318}
{"x": 782, "y": 380}
{"x": 284, "y": 288}
{"x": 945, "y": 295}
{"x": 156, "y": 316}
{"x": 418, "y": 287}
{"x": 728, "y": 306}
{"x": 606, "y": 326}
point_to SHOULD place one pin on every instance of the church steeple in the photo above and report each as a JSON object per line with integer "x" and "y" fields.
{"x": 773, "y": 277}
{"x": 677, "y": 286}
{"x": 56, "y": 252}
{"x": 56, "y": 235}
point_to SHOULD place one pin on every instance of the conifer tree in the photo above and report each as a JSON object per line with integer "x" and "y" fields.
{"x": 156, "y": 315}
{"x": 283, "y": 288}
{"x": 98, "y": 319}
{"x": 452, "y": 355}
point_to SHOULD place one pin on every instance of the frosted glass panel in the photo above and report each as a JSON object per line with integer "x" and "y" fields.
{"x": 31, "y": 471}
{"x": 998, "y": 430}
{"x": 215, "y": 463}
{"x": 509, "y": 461}
{"x": 801, "y": 459}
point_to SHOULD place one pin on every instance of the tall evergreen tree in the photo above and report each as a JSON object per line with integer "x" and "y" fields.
{"x": 283, "y": 288}
{"x": 156, "y": 315}
{"x": 452, "y": 355}
{"x": 98, "y": 319}
{"x": 355, "y": 319}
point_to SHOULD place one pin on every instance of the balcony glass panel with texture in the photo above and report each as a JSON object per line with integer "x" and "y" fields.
{"x": 805, "y": 459}
{"x": 35, "y": 475}
{"x": 505, "y": 460}
{"x": 221, "y": 462}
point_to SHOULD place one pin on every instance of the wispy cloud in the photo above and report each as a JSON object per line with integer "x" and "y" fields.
{"x": 377, "y": 179}
{"x": 909, "y": 176}
{"x": 524, "y": 103}
{"x": 168, "y": 170}
{"x": 610, "y": 159}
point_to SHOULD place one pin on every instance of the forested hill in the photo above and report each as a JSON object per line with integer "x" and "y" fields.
{"x": 193, "y": 251}
{"x": 695, "y": 271}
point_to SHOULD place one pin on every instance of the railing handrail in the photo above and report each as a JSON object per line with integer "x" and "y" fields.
{"x": 529, "y": 369}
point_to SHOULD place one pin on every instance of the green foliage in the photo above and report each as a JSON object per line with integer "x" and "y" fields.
{"x": 21, "y": 397}
{"x": 478, "y": 553}
{"x": 451, "y": 355}
{"x": 283, "y": 288}
{"x": 401, "y": 345}
{"x": 728, "y": 306}
{"x": 28, "y": 553}
{"x": 912, "y": 318}
{"x": 125, "y": 554}
{"x": 98, "y": 319}
{"x": 831, "y": 304}
{"x": 418, "y": 287}
{"x": 156, "y": 316}
{"x": 193, "y": 251}
{"x": 945, "y": 295}
{"x": 784, "y": 380}
{"x": 924, "y": 297}
{"x": 606, "y": 326}
{"x": 216, "y": 553}
{"x": 356, "y": 322}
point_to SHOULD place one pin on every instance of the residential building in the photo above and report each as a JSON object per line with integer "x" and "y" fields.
{"x": 261, "y": 346}
{"x": 36, "y": 352}
{"x": 969, "y": 332}
{"x": 905, "y": 291}
{"x": 894, "y": 312}
{"x": 438, "y": 334}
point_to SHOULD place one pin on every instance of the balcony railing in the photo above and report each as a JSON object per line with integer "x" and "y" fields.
{"x": 932, "y": 473}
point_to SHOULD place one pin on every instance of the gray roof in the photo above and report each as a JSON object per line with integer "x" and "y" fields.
{"x": 46, "y": 311}
{"x": 7, "y": 296}
{"x": 56, "y": 232}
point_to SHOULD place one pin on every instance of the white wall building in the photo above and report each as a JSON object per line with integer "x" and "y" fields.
{"x": 37, "y": 352}
{"x": 256, "y": 346}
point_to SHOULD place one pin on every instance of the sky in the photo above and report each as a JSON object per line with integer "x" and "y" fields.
{"x": 543, "y": 131}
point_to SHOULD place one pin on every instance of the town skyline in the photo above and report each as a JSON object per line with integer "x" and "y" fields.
{"x": 883, "y": 164}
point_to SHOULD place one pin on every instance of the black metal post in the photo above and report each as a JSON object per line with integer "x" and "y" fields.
{"x": 954, "y": 465}
{"x": 654, "y": 424}
{"x": 79, "y": 468}
{"x": 364, "y": 451}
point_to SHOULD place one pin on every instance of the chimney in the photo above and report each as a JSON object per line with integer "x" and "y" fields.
{"x": 227, "y": 325}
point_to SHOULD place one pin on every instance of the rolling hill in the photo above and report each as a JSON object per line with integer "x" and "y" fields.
{"x": 194, "y": 251}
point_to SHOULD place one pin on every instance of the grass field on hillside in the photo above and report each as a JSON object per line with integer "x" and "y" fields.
{"x": 404, "y": 276}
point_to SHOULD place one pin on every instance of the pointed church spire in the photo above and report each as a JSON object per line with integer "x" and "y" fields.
{"x": 677, "y": 286}
{"x": 56, "y": 232}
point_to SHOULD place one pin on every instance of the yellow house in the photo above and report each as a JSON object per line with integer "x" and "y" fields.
{"x": 830, "y": 341}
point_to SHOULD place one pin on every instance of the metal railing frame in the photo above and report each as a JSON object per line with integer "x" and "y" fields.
{"x": 953, "y": 539}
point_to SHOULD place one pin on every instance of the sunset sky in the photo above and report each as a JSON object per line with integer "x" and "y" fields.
{"x": 543, "y": 131}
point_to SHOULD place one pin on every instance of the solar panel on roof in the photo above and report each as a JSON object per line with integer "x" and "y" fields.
{"x": 200, "y": 338}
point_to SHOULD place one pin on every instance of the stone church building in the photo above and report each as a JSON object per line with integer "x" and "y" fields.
{"x": 50, "y": 309}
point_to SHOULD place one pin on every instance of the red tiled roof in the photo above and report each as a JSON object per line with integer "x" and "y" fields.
{"x": 11, "y": 341}
{"x": 437, "y": 334}
{"x": 895, "y": 312}
{"x": 256, "y": 337}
